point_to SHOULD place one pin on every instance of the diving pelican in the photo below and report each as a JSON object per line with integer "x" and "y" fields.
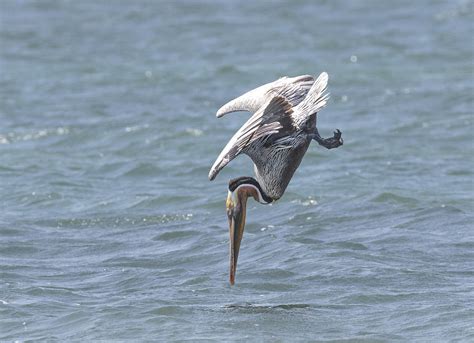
{"x": 276, "y": 138}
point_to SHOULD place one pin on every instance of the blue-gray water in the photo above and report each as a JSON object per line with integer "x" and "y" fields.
{"x": 110, "y": 230}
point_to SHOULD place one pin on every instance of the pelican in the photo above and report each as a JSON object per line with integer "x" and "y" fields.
{"x": 276, "y": 138}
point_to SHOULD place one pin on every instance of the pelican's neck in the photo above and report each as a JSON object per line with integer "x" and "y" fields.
{"x": 249, "y": 186}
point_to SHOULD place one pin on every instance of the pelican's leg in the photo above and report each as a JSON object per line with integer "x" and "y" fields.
{"x": 329, "y": 143}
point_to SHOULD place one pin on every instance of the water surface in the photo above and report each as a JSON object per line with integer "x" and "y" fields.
{"x": 110, "y": 230}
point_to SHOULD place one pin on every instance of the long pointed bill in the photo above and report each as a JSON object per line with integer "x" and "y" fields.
{"x": 236, "y": 213}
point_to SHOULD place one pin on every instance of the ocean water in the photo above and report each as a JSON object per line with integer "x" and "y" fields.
{"x": 110, "y": 229}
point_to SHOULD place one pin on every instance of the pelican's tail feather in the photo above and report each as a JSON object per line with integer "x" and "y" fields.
{"x": 316, "y": 98}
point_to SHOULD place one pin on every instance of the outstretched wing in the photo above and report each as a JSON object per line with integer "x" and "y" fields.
{"x": 270, "y": 119}
{"x": 294, "y": 89}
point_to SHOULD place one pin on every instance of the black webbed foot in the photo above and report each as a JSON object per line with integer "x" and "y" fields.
{"x": 329, "y": 143}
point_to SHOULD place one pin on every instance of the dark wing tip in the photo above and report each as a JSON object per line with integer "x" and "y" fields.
{"x": 212, "y": 175}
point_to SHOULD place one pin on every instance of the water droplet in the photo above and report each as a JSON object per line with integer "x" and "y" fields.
{"x": 354, "y": 59}
{"x": 62, "y": 130}
{"x": 148, "y": 74}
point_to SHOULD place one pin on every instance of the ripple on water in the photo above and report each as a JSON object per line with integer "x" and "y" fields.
{"x": 176, "y": 235}
{"x": 113, "y": 221}
{"x": 143, "y": 170}
{"x": 348, "y": 245}
{"x": 14, "y": 137}
{"x": 388, "y": 197}
{"x": 263, "y": 308}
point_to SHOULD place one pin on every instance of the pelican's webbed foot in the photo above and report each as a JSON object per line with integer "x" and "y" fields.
{"x": 329, "y": 143}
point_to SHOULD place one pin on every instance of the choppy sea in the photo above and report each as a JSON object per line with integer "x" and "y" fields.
{"x": 110, "y": 229}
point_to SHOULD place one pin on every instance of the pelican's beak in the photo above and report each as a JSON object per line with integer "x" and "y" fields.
{"x": 236, "y": 207}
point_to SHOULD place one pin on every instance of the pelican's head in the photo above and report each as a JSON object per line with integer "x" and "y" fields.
{"x": 240, "y": 190}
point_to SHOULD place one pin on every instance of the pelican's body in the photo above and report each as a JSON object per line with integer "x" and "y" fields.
{"x": 276, "y": 162}
{"x": 276, "y": 138}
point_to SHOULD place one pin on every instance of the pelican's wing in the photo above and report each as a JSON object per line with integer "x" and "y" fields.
{"x": 270, "y": 119}
{"x": 294, "y": 89}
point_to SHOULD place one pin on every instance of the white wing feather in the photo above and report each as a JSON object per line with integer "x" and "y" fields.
{"x": 294, "y": 89}
{"x": 265, "y": 122}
